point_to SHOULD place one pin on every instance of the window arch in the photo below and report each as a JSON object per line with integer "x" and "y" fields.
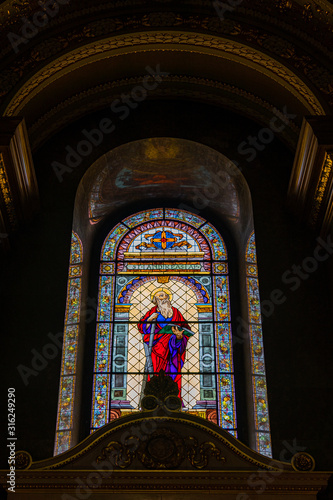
{"x": 183, "y": 255}
{"x": 109, "y": 182}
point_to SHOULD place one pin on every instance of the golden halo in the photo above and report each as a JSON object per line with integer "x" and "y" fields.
{"x": 160, "y": 290}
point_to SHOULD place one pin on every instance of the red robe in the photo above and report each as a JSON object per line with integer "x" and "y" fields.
{"x": 168, "y": 353}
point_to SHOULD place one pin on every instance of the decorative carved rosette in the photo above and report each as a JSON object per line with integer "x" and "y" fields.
{"x": 163, "y": 450}
{"x": 303, "y": 462}
{"x": 23, "y": 459}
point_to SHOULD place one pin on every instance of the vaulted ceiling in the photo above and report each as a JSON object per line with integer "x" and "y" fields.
{"x": 258, "y": 57}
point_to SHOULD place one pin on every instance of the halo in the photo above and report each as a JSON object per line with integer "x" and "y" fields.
{"x": 160, "y": 290}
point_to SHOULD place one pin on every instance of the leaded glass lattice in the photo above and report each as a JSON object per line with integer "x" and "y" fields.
{"x": 153, "y": 258}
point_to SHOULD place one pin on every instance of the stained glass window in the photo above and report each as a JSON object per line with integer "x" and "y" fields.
{"x": 164, "y": 303}
{"x": 263, "y": 437}
{"x": 69, "y": 353}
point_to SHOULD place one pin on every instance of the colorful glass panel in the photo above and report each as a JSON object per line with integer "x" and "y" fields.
{"x": 74, "y": 271}
{"x": 227, "y": 404}
{"x": 251, "y": 252}
{"x": 263, "y": 438}
{"x": 216, "y": 242}
{"x": 73, "y": 301}
{"x": 227, "y": 401}
{"x": 69, "y": 351}
{"x": 76, "y": 249}
{"x": 220, "y": 267}
{"x": 67, "y": 391}
{"x": 162, "y": 239}
{"x": 111, "y": 242}
{"x": 222, "y": 298}
{"x": 101, "y": 389}
{"x": 164, "y": 250}
{"x": 146, "y": 216}
{"x": 265, "y": 443}
{"x": 254, "y": 300}
{"x": 105, "y": 298}
{"x": 194, "y": 220}
{"x": 63, "y": 441}
{"x": 107, "y": 268}
{"x": 251, "y": 270}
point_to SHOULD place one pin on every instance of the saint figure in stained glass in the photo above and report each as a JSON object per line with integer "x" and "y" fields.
{"x": 165, "y": 336}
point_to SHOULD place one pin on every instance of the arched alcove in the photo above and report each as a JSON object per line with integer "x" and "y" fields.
{"x": 197, "y": 188}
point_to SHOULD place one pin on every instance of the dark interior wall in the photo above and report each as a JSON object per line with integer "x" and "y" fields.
{"x": 297, "y": 332}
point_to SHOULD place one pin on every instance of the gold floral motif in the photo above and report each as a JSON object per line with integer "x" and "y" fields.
{"x": 75, "y": 271}
{"x": 165, "y": 449}
{"x": 119, "y": 455}
{"x": 199, "y": 455}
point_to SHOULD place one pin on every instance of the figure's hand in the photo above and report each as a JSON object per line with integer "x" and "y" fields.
{"x": 177, "y": 332}
{"x": 152, "y": 317}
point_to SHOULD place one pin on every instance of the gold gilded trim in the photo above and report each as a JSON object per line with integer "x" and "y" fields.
{"x": 130, "y": 420}
{"x": 163, "y": 279}
{"x": 321, "y": 187}
{"x": 123, "y": 308}
{"x": 155, "y": 272}
{"x": 7, "y": 194}
{"x": 204, "y": 309}
{"x": 153, "y": 457}
{"x": 150, "y": 255}
{"x": 165, "y": 41}
{"x": 304, "y": 462}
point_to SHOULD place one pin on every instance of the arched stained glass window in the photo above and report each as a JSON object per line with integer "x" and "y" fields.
{"x": 262, "y": 427}
{"x": 69, "y": 353}
{"x": 164, "y": 304}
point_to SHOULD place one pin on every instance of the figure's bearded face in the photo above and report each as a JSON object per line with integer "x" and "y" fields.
{"x": 164, "y": 306}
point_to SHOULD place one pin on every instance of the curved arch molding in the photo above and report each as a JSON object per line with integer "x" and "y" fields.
{"x": 162, "y": 41}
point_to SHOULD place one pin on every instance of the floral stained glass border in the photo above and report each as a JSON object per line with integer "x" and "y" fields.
{"x": 69, "y": 351}
{"x": 261, "y": 414}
